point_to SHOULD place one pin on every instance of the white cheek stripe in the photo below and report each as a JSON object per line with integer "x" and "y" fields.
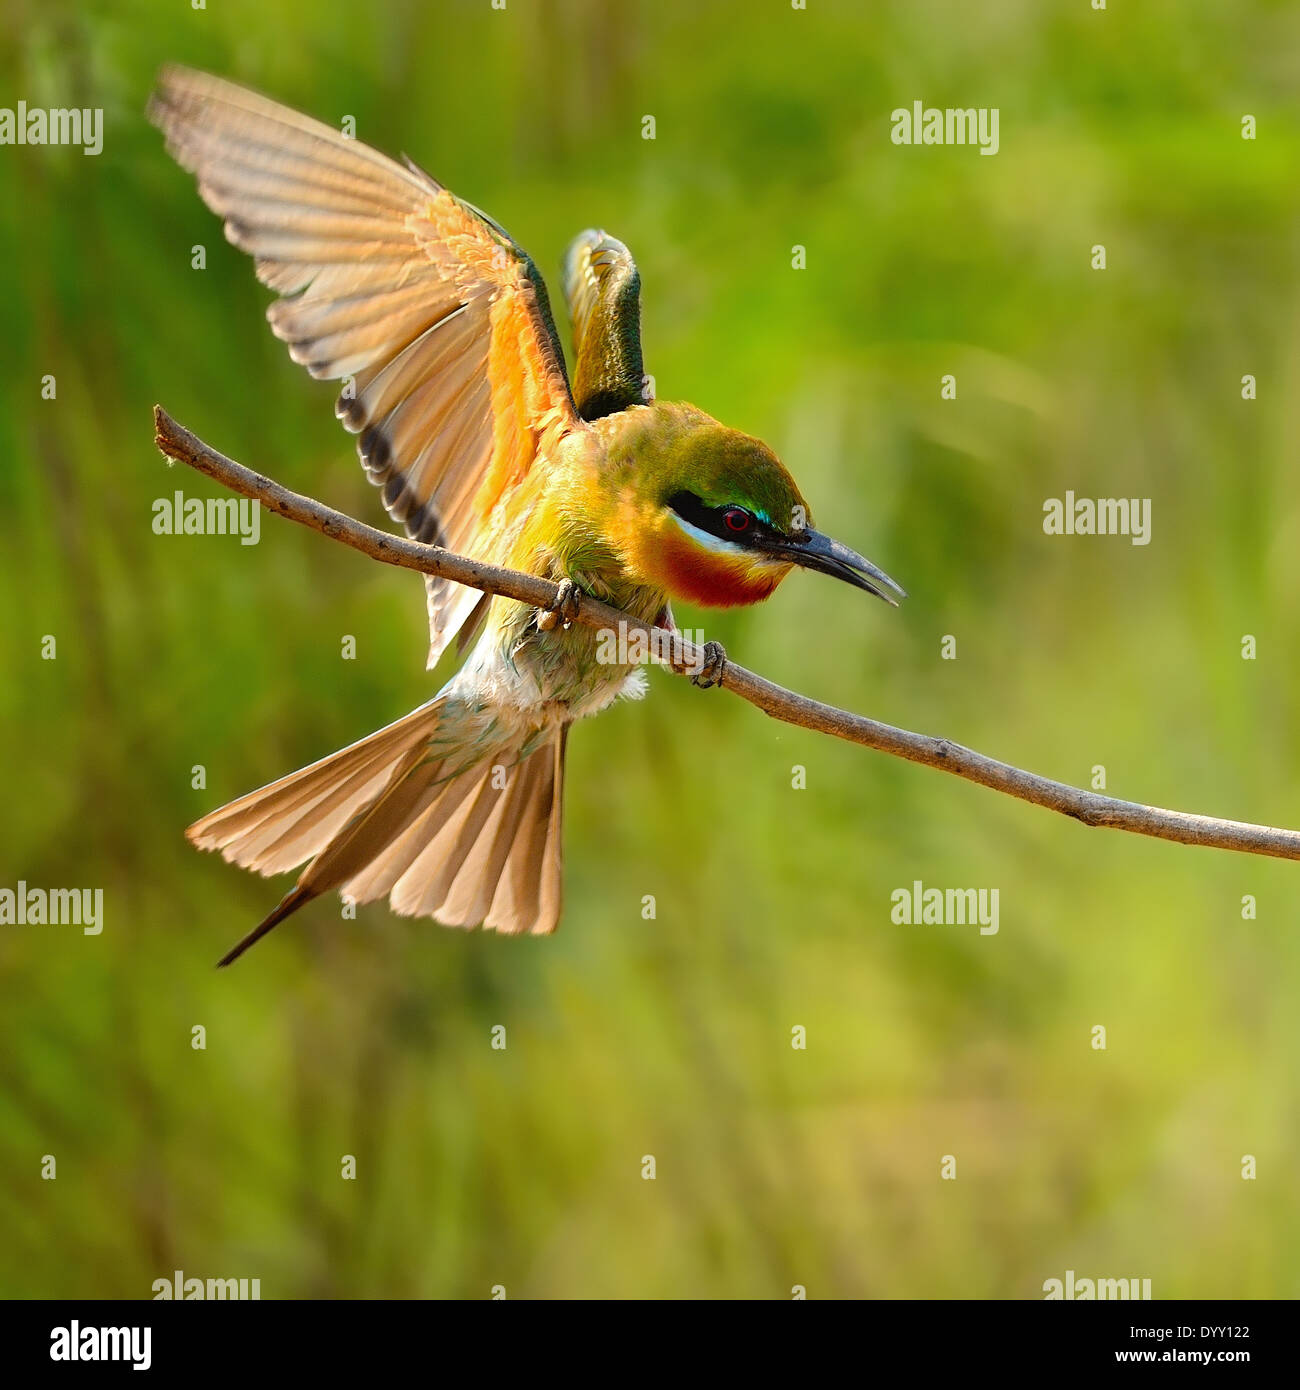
{"x": 713, "y": 542}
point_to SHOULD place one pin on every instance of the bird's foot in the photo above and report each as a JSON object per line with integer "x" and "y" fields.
{"x": 564, "y": 609}
{"x": 715, "y": 662}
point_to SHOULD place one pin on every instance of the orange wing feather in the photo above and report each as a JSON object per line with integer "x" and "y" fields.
{"x": 433, "y": 317}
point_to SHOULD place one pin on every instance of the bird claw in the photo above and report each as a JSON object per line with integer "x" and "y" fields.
{"x": 715, "y": 662}
{"x": 564, "y": 609}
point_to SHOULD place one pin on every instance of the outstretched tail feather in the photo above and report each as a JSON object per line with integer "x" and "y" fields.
{"x": 469, "y": 896}
{"x": 424, "y": 888}
{"x": 528, "y": 896}
{"x": 380, "y": 876}
{"x": 277, "y": 827}
{"x": 288, "y": 905}
{"x": 353, "y": 846}
{"x": 417, "y": 812}
{"x": 492, "y": 855}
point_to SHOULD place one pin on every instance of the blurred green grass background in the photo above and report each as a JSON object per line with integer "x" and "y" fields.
{"x": 671, "y": 1037}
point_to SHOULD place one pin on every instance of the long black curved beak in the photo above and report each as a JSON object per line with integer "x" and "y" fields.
{"x": 813, "y": 551}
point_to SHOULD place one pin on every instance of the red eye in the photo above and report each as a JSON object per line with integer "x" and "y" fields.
{"x": 736, "y": 519}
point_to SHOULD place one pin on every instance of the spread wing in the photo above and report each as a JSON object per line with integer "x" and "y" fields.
{"x": 435, "y": 320}
{"x": 603, "y": 288}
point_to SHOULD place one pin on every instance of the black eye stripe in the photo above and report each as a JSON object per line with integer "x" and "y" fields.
{"x": 714, "y": 519}
{"x": 691, "y": 508}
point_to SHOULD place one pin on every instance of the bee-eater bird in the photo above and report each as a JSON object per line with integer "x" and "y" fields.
{"x": 438, "y": 324}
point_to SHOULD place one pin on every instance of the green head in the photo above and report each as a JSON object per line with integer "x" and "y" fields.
{"x": 712, "y": 516}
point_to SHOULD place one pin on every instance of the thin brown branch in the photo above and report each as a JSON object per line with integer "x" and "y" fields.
{"x": 1180, "y": 826}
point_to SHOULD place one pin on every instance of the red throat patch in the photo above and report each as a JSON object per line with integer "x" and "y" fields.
{"x": 690, "y": 572}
